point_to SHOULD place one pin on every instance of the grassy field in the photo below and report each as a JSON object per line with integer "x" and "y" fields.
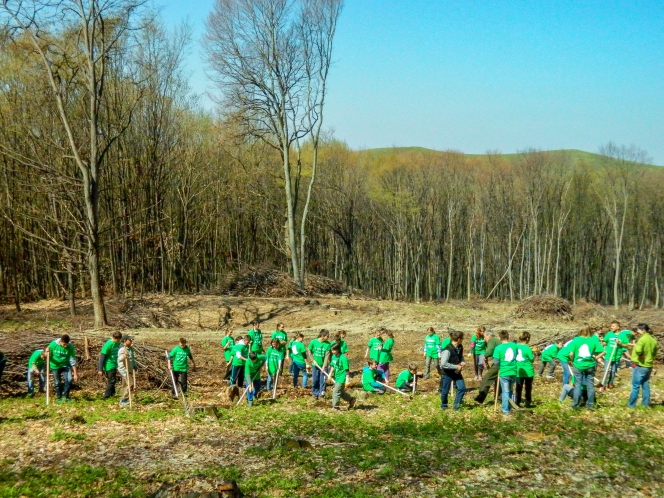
{"x": 386, "y": 446}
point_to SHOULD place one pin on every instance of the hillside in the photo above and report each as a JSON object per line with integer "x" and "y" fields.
{"x": 576, "y": 156}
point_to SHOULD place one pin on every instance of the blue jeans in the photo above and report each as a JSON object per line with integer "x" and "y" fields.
{"x": 252, "y": 394}
{"x": 31, "y": 383}
{"x": 270, "y": 379}
{"x": 318, "y": 382}
{"x": 584, "y": 378}
{"x": 640, "y": 379}
{"x": 612, "y": 366}
{"x": 296, "y": 368}
{"x": 507, "y": 386}
{"x": 62, "y": 388}
{"x": 567, "y": 372}
{"x": 445, "y": 384}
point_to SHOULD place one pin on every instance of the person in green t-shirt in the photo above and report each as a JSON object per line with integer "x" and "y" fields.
{"x": 298, "y": 355}
{"x": 108, "y": 363}
{"x": 406, "y": 378}
{"x": 240, "y": 353}
{"x": 339, "y": 373}
{"x": 524, "y": 370}
{"x": 274, "y": 357}
{"x": 281, "y": 335}
{"x": 256, "y": 337}
{"x": 431, "y": 345}
{"x": 506, "y": 353}
{"x": 227, "y": 343}
{"x": 180, "y": 356}
{"x": 374, "y": 346}
{"x": 320, "y": 356}
{"x": 625, "y": 338}
{"x": 583, "y": 352}
{"x": 385, "y": 354}
{"x": 563, "y": 358}
{"x": 252, "y": 375}
{"x": 477, "y": 350}
{"x": 340, "y": 339}
{"x": 549, "y": 358}
{"x": 62, "y": 363}
{"x": 370, "y": 376}
{"x": 612, "y": 357}
{"x": 36, "y": 366}
{"x": 568, "y": 391}
{"x": 491, "y": 374}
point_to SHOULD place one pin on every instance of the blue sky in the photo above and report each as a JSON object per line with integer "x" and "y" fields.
{"x": 487, "y": 75}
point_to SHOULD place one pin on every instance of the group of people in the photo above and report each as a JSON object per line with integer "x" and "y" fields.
{"x": 497, "y": 361}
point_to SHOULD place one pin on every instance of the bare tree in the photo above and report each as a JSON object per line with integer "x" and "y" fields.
{"x": 271, "y": 59}
{"x": 77, "y": 43}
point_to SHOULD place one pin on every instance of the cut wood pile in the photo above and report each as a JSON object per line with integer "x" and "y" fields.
{"x": 152, "y": 371}
{"x": 139, "y": 313}
{"x": 268, "y": 282}
{"x": 545, "y": 307}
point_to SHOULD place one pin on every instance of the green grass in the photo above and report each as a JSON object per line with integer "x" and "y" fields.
{"x": 389, "y": 446}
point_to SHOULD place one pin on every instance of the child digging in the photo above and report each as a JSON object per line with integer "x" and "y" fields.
{"x": 370, "y": 375}
{"x": 405, "y": 379}
{"x": 36, "y": 366}
{"x": 227, "y": 344}
{"x": 339, "y": 373}
{"x": 275, "y": 359}
{"x": 524, "y": 370}
{"x": 240, "y": 353}
{"x": 298, "y": 354}
{"x": 252, "y": 375}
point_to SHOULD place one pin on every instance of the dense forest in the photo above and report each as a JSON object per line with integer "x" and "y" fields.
{"x": 111, "y": 170}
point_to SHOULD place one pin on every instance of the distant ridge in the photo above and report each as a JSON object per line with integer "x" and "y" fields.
{"x": 577, "y": 156}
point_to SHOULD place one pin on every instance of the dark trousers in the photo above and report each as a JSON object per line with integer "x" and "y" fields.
{"x": 181, "y": 378}
{"x": 237, "y": 375}
{"x": 489, "y": 379}
{"x": 110, "y": 382}
{"x": 520, "y": 383}
{"x": 3, "y": 362}
{"x": 62, "y": 381}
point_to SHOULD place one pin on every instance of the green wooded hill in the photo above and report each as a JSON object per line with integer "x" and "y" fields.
{"x": 576, "y": 156}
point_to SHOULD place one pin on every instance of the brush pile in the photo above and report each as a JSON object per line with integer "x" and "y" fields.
{"x": 152, "y": 371}
{"x": 268, "y": 282}
{"x": 139, "y": 313}
{"x": 544, "y": 306}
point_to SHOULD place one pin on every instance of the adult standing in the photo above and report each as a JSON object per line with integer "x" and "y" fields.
{"x": 492, "y": 372}
{"x": 108, "y": 362}
{"x": 643, "y": 358}
{"x": 451, "y": 363}
{"x": 62, "y": 362}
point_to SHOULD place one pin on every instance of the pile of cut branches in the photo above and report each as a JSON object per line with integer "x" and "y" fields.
{"x": 152, "y": 371}
{"x": 544, "y": 306}
{"x": 139, "y": 313}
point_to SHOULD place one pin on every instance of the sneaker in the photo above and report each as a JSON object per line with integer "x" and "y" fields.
{"x": 68, "y": 400}
{"x": 610, "y": 386}
{"x": 124, "y": 402}
{"x": 480, "y": 397}
{"x": 550, "y": 377}
{"x": 250, "y": 403}
{"x": 602, "y": 389}
{"x": 351, "y": 403}
{"x": 336, "y": 408}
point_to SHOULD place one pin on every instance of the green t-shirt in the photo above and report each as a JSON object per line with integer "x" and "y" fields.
{"x": 110, "y": 349}
{"x": 374, "y": 346}
{"x": 480, "y": 344}
{"x": 343, "y": 345}
{"x": 625, "y": 337}
{"x": 404, "y": 377}
{"x": 280, "y": 335}
{"x": 341, "y": 367}
{"x": 431, "y": 343}
{"x": 563, "y": 354}
{"x": 180, "y": 356}
{"x": 369, "y": 376}
{"x": 445, "y": 342}
{"x": 239, "y": 351}
{"x": 549, "y": 352}
{"x": 256, "y": 340}
{"x": 227, "y": 343}
{"x": 584, "y": 348}
{"x": 297, "y": 352}
{"x": 524, "y": 361}
{"x": 61, "y": 356}
{"x": 506, "y": 354}
{"x": 252, "y": 369}
{"x": 385, "y": 355}
{"x": 319, "y": 350}
{"x": 273, "y": 357}
{"x": 36, "y": 360}
{"x": 612, "y": 348}
{"x": 644, "y": 351}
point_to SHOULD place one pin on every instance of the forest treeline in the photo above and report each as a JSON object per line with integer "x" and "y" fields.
{"x": 187, "y": 196}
